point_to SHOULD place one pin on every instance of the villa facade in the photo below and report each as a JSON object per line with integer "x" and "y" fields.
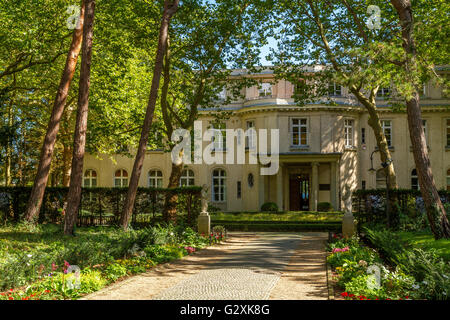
{"x": 322, "y": 148}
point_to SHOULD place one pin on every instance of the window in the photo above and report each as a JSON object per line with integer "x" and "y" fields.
{"x": 239, "y": 190}
{"x": 121, "y": 178}
{"x": 363, "y": 184}
{"x": 219, "y": 187}
{"x": 381, "y": 179}
{"x": 155, "y": 179}
{"x": 348, "y": 132}
{"x": 387, "y": 130}
{"x": 383, "y": 92}
{"x": 219, "y": 137}
{"x": 223, "y": 94}
{"x": 414, "y": 180}
{"x": 299, "y": 132}
{"x": 448, "y": 132}
{"x": 250, "y": 180}
{"x": 448, "y": 180}
{"x": 334, "y": 90}
{"x": 425, "y": 130}
{"x": 250, "y": 138}
{"x": 265, "y": 90}
{"x": 187, "y": 178}
{"x": 363, "y": 135}
{"x": 90, "y": 179}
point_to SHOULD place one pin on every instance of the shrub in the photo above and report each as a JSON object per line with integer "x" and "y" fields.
{"x": 324, "y": 207}
{"x": 269, "y": 207}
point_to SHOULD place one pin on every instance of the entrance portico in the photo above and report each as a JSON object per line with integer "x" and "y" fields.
{"x": 305, "y": 179}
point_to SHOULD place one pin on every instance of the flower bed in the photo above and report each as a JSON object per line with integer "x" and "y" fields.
{"x": 362, "y": 275}
{"x": 36, "y": 264}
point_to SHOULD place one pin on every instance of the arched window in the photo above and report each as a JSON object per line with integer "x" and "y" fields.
{"x": 187, "y": 178}
{"x": 448, "y": 180}
{"x": 219, "y": 185}
{"x": 90, "y": 178}
{"x": 381, "y": 179}
{"x": 121, "y": 178}
{"x": 155, "y": 179}
{"x": 414, "y": 180}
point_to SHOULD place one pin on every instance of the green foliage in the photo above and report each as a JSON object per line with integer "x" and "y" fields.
{"x": 269, "y": 207}
{"x": 324, "y": 207}
{"x": 39, "y": 255}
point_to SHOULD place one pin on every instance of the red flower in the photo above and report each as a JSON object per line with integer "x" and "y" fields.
{"x": 10, "y": 298}
{"x": 344, "y": 294}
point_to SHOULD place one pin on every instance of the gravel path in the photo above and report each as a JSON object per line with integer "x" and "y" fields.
{"x": 249, "y": 266}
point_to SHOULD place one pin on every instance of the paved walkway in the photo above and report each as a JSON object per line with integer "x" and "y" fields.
{"x": 249, "y": 266}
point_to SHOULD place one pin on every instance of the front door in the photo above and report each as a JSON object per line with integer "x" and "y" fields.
{"x": 299, "y": 192}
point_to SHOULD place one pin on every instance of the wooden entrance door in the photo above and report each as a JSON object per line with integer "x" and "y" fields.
{"x": 299, "y": 192}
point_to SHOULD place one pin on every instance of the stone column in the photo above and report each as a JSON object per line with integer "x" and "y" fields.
{"x": 315, "y": 185}
{"x": 280, "y": 188}
{"x": 333, "y": 186}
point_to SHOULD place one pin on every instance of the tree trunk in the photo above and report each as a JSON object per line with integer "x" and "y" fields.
{"x": 67, "y": 159}
{"x": 436, "y": 214}
{"x": 375, "y": 123}
{"x": 169, "y": 10}
{"x": 9, "y": 148}
{"x": 170, "y": 204}
{"x": 40, "y": 181}
{"x": 79, "y": 143}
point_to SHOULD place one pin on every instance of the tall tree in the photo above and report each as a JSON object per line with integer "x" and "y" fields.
{"x": 325, "y": 33}
{"x": 40, "y": 181}
{"x": 79, "y": 143}
{"x": 170, "y": 8}
{"x": 197, "y": 68}
{"x": 435, "y": 210}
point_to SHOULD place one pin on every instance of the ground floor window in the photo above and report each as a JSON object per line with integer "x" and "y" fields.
{"x": 121, "y": 178}
{"x": 448, "y": 180}
{"x": 414, "y": 180}
{"x": 155, "y": 179}
{"x": 90, "y": 179}
{"x": 187, "y": 178}
{"x": 219, "y": 185}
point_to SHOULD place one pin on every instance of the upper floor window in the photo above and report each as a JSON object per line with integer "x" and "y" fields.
{"x": 414, "y": 180}
{"x": 250, "y": 136}
{"x": 219, "y": 137}
{"x": 448, "y": 132}
{"x": 223, "y": 94}
{"x": 239, "y": 190}
{"x": 187, "y": 178}
{"x": 155, "y": 179}
{"x": 219, "y": 185}
{"x": 383, "y": 92}
{"x": 121, "y": 178}
{"x": 386, "y": 125}
{"x": 425, "y": 130}
{"x": 448, "y": 180}
{"x": 348, "y": 132}
{"x": 334, "y": 90}
{"x": 363, "y": 135}
{"x": 299, "y": 132}
{"x": 265, "y": 89}
{"x": 90, "y": 178}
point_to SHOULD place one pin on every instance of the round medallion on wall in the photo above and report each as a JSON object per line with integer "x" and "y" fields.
{"x": 250, "y": 180}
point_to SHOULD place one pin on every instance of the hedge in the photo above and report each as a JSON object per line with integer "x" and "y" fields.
{"x": 100, "y": 206}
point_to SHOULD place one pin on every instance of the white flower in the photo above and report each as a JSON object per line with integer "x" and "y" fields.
{"x": 424, "y": 282}
{"x": 415, "y": 286}
{"x": 445, "y": 276}
{"x": 29, "y": 255}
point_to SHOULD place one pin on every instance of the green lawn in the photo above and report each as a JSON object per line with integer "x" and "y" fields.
{"x": 425, "y": 240}
{"x": 294, "y": 216}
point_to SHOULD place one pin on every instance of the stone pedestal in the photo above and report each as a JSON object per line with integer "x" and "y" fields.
{"x": 348, "y": 225}
{"x": 204, "y": 223}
